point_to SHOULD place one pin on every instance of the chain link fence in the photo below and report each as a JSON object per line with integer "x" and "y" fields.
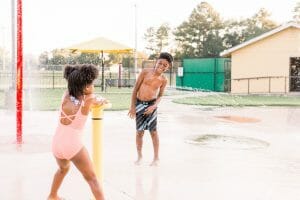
{"x": 51, "y": 76}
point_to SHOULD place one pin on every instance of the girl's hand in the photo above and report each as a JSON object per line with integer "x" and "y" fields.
{"x": 99, "y": 101}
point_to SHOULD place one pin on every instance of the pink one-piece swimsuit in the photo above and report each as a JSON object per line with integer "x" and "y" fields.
{"x": 67, "y": 141}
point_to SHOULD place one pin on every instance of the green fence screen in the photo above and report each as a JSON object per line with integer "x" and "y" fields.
{"x": 205, "y": 74}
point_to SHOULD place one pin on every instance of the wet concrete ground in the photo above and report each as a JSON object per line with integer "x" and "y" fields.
{"x": 233, "y": 168}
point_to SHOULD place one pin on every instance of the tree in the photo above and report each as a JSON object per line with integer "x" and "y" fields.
{"x": 233, "y": 33}
{"x": 62, "y": 57}
{"x": 200, "y": 36}
{"x": 237, "y": 32}
{"x": 114, "y": 58}
{"x": 43, "y": 58}
{"x": 57, "y": 60}
{"x": 296, "y": 12}
{"x": 162, "y": 37}
{"x": 258, "y": 24}
{"x": 157, "y": 39}
{"x": 88, "y": 58}
{"x": 150, "y": 40}
{"x": 128, "y": 61}
{"x": 71, "y": 59}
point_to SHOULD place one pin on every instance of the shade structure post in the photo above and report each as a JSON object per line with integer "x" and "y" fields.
{"x": 102, "y": 71}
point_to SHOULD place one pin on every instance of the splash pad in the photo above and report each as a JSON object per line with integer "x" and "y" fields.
{"x": 227, "y": 142}
{"x": 31, "y": 144}
{"x": 238, "y": 119}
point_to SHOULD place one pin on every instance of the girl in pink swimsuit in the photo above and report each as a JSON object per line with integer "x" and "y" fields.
{"x": 67, "y": 143}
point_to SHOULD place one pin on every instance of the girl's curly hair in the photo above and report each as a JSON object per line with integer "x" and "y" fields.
{"x": 79, "y": 76}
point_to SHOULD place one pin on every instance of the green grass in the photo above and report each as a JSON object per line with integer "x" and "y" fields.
{"x": 45, "y": 99}
{"x": 49, "y": 99}
{"x": 236, "y": 100}
{"x": 119, "y": 101}
{"x": 115, "y": 90}
{"x": 174, "y": 92}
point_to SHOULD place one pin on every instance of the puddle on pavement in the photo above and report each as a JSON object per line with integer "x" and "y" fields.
{"x": 31, "y": 144}
{"x": 230, "y": 142}
{"x": 238, "y": 119}
{"x": 207, "y": 108}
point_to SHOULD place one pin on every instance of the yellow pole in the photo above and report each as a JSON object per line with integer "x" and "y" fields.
{"x": 97, "y": 118}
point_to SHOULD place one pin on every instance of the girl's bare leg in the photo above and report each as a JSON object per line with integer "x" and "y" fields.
{"x": 84, "y": 164}
{"x": 64, "y": 166}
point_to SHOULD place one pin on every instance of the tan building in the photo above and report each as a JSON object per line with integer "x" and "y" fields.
{"x": 269, "y": 63}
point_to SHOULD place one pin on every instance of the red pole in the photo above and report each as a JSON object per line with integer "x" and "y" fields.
{"x": 19, "y": 95}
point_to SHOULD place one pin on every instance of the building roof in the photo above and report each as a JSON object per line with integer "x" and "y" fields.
{"x": 258, "y": 38}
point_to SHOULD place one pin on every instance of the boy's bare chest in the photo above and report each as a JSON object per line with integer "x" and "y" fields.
{"x": 153, "y": 81}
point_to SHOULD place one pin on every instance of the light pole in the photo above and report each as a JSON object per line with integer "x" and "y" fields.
{"x": 135, "y": 42}
{"x": 13, "y": 42}
{"x": 3, "y": 47}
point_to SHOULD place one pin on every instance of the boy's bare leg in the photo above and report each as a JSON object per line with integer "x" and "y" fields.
{"x": 139, "y": 146}
{"x": 155, "y": 141}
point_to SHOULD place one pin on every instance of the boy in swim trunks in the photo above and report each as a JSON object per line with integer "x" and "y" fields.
{"x": 146, "y": 95}
{"x": 67, "y": 145}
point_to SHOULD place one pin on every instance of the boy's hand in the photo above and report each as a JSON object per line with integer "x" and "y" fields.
{"x": 132, "y": 113}
{"x": 150, "y": 109}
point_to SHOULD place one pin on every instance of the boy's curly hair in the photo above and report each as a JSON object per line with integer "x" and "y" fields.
{"x": 79, "y": 76}
{"x": 167, "y": 56}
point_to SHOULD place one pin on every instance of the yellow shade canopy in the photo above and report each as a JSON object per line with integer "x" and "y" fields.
{"x": 100, "y": 45}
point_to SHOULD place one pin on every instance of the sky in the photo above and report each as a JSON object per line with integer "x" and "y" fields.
{"x": 50, "y": 24}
